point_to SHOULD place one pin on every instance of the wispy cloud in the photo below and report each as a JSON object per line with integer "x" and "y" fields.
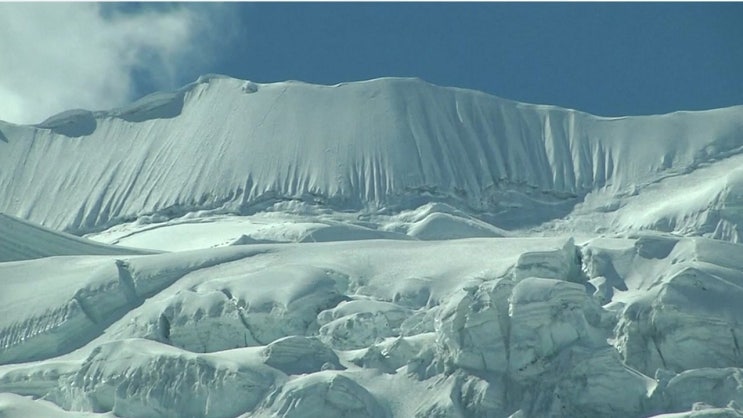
{"x": 59, "y": 56}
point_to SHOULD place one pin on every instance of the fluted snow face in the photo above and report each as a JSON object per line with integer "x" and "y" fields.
{"x": 378, "y": 144}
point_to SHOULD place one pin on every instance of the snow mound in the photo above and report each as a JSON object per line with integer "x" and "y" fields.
{"x": 446, "y": 226}
{"x": 246, "y": 240}
{"x": 161, "y": 105}
{"x": 347, "y": 232}
{"x": 72, "y": 123}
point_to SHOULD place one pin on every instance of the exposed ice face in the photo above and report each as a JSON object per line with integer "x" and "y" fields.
{"x": 472, "y": 329}
{"x": 546, "y": 318}
{"x": 300, "y": 355}
{"x": 692, "y": 319}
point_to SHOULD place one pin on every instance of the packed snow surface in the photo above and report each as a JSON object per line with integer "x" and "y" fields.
{"x": 386, "y": 248}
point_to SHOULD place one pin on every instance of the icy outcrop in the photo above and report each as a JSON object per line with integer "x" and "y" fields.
{"x": 144, "y": 378}
{"x": 394, "y": 353}
{"x": 558, "y": 264}
{"x": 196, "y": 321}
{"x": 84, "y": 296}
{"x": 322, "y": 395}
{"x": 462, "y": 395}
{"x": 269, "y": 312}
{"x": 543, "y": 338}
{"x": 360, "y": 323}
{"x": 241, "y": 310}
{"x": 300, "y": 355}
{"x": 473, "y": 329}
{"x": 715, "y": 388}
{"x": 583, "y": 382}
{"x": 692, "y": 318}
{"x": 546, "y": 317}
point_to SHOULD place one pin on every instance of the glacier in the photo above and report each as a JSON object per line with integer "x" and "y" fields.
{"x": 384, "y": 248}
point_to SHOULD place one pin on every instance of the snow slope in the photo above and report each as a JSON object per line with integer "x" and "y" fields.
{"x": 382, "y": 144}
{"x": 21, "y": 240}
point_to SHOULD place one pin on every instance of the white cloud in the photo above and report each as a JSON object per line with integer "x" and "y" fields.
{"x": 60, "y": 56}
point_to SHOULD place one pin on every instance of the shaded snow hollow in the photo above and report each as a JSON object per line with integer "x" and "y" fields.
{"x": 386, "y": 248}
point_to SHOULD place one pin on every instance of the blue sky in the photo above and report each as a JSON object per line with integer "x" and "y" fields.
{"x": 604, "y": 58}
{"x": 609, "y": 59}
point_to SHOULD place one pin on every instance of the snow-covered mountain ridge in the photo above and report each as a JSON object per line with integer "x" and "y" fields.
{"x": 386, "y": 248}
{"x": 389, "y": 144}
